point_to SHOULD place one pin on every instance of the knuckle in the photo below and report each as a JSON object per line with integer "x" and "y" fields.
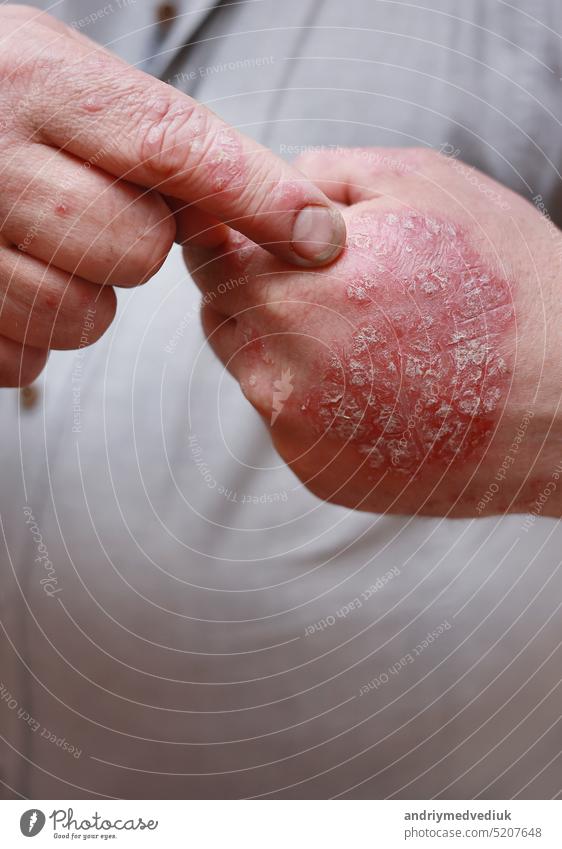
{"x": 165, "y": 129}
{"x": 26, "y": 79}
{"x": 17, "y": 80}
{"x": 278, "y": 310}
{"x": 180, "y": 138}
{"x": 218, "y": 161}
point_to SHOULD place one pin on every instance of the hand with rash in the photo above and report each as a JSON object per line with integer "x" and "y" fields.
{"x": 419, "y": 372}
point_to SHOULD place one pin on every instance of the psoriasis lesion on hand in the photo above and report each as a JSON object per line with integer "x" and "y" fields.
{"x": 423, "y": 374}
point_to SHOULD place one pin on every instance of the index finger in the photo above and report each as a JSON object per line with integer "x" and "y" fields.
{"x": 142, "y": 130}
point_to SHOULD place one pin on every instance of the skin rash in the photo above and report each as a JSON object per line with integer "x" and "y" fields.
{"x": 423, "y": 376}
{"x": 419, "y": 378}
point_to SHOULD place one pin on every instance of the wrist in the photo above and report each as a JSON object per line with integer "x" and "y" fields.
{"x": 525, "y": 455}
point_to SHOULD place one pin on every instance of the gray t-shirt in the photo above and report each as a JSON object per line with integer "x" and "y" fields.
{"x": 216, "y": 631}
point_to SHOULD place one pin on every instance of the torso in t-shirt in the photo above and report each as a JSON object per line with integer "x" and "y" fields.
{"x": 216, "y": 631}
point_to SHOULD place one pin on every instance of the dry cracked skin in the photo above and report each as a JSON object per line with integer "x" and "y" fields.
{"x": 423, "y": 373}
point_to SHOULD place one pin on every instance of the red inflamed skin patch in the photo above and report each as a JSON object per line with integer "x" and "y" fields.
{"x": 423, "y": 376}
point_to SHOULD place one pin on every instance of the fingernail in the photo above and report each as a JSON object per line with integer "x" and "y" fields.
{"x": 318, "y": 235}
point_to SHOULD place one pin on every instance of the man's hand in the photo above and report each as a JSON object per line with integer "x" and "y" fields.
{"x": 421, "y": 372}
{"x": 88, "y": 148}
